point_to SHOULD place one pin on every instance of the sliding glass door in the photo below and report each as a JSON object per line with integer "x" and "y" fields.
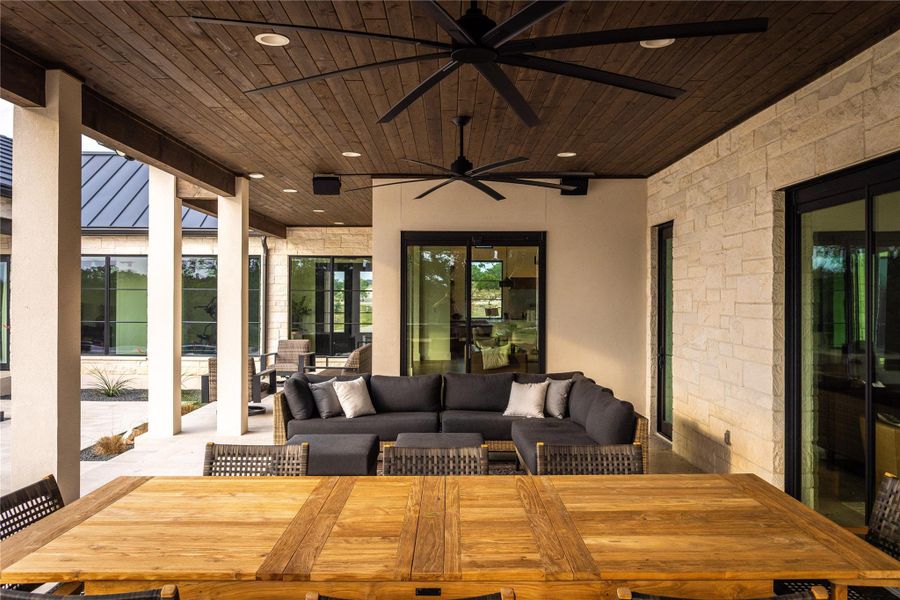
{"x": 843, "y": 344}
{"x": 472, "y": 303}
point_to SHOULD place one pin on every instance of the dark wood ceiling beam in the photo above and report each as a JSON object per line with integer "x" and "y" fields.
{"x": 21, "y": 78}
{"x": 205, "y": 201}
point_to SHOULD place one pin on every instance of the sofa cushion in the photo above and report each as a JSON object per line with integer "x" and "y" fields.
{"x": 385, "y": 425}
{"x": 526, "y": 435}
{"x": 421, "y": 393}
{"x": 582, "y": 395}
{"x": 313, "y": 378}
{"x": 527, "y": 400}
{"x": 491, "y": 425}
{"x": 299, "y": 398}
{"x": 326, "y": 398}
{"x": 541, "y": 377}
{"x": 610, "y": 420}
{"x": 466, "y": 391}
{"x": 557, "y": 401}
{"x": 354, "y": 398}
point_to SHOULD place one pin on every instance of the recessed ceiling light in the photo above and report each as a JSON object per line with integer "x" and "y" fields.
{"x": 338, "y": 222}
{"x": 566, "y": 154}
{"x": 350, "y": 154}
{"x": 653, "y": 44}
{"x": 289, "y": 191}
{"x": 318, "y": 210}
{"x": 256, "y": 175}
{"x": 272, "y": 39}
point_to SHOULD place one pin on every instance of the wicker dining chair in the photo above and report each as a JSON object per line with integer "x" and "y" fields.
{"x": 472, "y": 460}
{"x": 238, "y": 460}
{"x": 814, "y": 593}
{"x": 28, "y": 505}
{"x": 561, "y": 459}
{"x": 292, "y": 356}
{"x": 167, "y": 592}
{"x": 883, "y": 533}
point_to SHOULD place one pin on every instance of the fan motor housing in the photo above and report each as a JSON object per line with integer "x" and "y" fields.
{"x": 326, "y": 185}
{"x": 580, "y": 184}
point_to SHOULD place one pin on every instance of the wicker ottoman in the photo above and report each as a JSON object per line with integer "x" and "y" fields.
{"x": 340, "y": 453}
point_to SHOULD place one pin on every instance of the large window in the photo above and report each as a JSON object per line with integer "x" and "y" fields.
{"x": 114, "y": 305}
{"x": 331, "y": 302}
{"x": 198, "y": 310}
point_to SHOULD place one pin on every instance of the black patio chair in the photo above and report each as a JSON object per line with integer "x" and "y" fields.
{"x": 814, "y": 593}
{"x": 167, "y": 592}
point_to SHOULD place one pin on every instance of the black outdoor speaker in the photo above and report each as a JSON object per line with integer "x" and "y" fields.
{"x": 326, "y": 185}
{"x": 580, "y": 183}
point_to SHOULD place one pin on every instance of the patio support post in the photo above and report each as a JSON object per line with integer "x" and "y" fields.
{"x": 45, "y": 324}
{"x": 164, "y": 305}
{"x": 232, "y": 310}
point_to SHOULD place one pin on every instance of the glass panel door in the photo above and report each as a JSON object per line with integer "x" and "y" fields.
{"x": 664, "y": 411}
{"x": 833, "y": 367}
{"x": 4, "y": 312}
{"x": 886, "y": 333}
{"x": 436, "y": 309}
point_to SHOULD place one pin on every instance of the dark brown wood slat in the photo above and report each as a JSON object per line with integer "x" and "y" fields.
{"x": 22, "y": 78}
{"x": 54, "y": 525}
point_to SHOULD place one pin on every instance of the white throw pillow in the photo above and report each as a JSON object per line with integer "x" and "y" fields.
{"x": 557, "y": 397}
{"x": 326, "y": 399}
{"x": 354, "y": 398}
{"x": 527, "y": 400}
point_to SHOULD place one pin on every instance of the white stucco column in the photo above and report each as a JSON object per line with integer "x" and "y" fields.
{"x": 164, "y": 305}
{"x": 232, "y": 310}
{"x": 45, "y": 319}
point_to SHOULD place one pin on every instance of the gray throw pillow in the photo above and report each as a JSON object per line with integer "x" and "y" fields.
{"x": 326, "y": 399}
{"x": 527, "y": 400}
{"x": 354, "y": 398}
{"x": 557, "y": 397}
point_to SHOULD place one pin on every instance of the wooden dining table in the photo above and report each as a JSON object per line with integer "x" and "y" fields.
{"x": 707, "y": 536}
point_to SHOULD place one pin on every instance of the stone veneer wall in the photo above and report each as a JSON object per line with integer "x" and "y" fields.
{"x": 728, "y": 247}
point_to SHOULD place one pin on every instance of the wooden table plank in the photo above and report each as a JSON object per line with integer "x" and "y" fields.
{"x": 428, "y": 561}
{"x": 556, "y": 563}
{"x": 579, "y": 557}
{"x": 451, "y": 530}
{"x": 51, "y": 527}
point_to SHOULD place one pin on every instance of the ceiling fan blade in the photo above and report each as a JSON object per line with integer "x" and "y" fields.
{"x": 521, "y": 21}
{"x": 446, "y": 22}
{"x": 437, "y": 187}
{"x": 428, "y": 83}
{"x": 518, "y": 181}
{"x": 324, "y": 30}
{"x": 506, "y": 88}
{"x": 636, "y": 34}
{"x": 572, "y": 70}
{"x": 372, "y": 187}
{"x": 484, "y": 188}
{"x": 377, "y": 65}
{"x": 496, "y": 165}
{"x": 433, "y": 166}
{"x": 545, "y": 174}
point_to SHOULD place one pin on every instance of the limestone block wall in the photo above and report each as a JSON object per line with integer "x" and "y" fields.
{"x": 728, "y": 270}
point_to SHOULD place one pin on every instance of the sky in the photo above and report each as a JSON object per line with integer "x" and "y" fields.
{"x": 6, "y": 128}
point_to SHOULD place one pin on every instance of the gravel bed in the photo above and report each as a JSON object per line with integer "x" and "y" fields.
{"x": 92, "y": 395}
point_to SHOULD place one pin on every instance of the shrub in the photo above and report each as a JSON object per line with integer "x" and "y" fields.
{"x": 110, "y": 445}
{"x": 111, "y": 386}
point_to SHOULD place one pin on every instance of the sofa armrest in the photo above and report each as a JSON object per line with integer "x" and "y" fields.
{"x": 613, "y": 459}
{"x": 642, "y": 439}
{"x": 281, "y": 414}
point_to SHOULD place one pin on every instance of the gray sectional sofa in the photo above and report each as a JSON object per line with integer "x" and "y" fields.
{"x": 467, "y": 403}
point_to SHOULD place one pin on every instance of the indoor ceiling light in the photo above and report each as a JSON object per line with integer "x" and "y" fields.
{"x": 351, "y": 154}
{"x": 653, "y": 44}
{"x": 338, "y": 222}
{"x": 272, "y": 39}
{"x": 318, "y": 210}
{"x": 289, "y": 191}
{"x": 566, "y": 154}
{"x": 256, "y": 175}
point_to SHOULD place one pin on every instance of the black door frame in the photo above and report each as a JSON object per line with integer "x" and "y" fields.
{"x": 664, "y": 231}
{"x": 7, "y": 258}
{"x": 471, "y": 239}
{"x": 863, "y": 181}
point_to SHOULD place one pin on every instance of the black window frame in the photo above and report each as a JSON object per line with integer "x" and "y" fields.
{"x": 664, "y": 231}
{"x": 7, "y": 258}
{"x": 106, "y": 305}
{"x": 331, "y": 292}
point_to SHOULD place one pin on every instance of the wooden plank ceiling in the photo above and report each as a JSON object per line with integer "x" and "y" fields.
{"x": 189, "y": 79}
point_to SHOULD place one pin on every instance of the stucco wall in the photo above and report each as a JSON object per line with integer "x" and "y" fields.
{"x": 596, "y": 269}
{"x": 729, "y": 254}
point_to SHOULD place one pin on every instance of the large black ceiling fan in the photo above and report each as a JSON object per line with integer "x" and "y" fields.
{"x": 463, "y": 170}
{"x": 482, "y": 43}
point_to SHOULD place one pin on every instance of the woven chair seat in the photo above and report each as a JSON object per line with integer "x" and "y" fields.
{"x": 436, "y": 461}
{"x": 238, "y": 460}
{"x": 618, "y": 459}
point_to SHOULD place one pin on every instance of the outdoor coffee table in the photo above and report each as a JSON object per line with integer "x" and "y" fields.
{"x": 439, "y": 440}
